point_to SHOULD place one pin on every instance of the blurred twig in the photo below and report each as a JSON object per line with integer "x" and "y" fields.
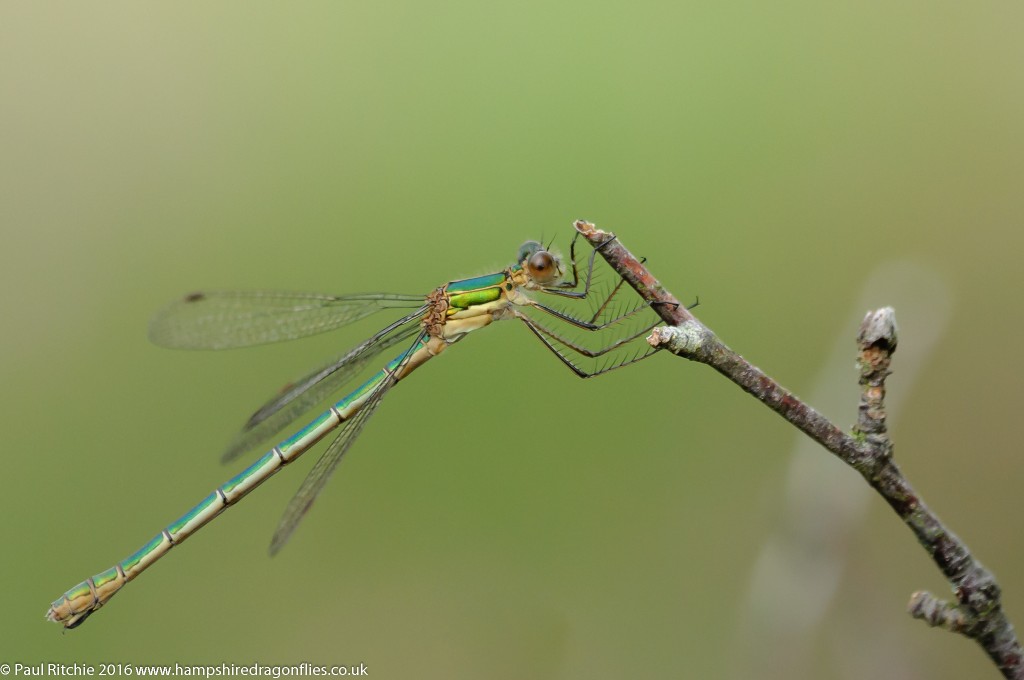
{"x": 977, "y": 612}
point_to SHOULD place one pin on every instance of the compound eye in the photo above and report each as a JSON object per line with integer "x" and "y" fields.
{"x": 541, "y": 266}
{"x": 527, "y": 250}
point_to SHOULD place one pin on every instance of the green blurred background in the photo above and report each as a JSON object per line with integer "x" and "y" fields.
{"x": 500, "y": 518}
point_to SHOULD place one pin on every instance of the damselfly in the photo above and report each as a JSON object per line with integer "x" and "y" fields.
{"x": 219, "y": 320}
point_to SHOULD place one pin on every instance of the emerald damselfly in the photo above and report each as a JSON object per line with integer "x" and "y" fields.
{"x": 226, "y": 319}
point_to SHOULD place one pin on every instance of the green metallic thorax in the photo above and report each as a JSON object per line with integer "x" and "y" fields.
{"x": 478, "y": 290}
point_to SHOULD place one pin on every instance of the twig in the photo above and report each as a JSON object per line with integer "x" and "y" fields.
{"x": 978, "y": 612}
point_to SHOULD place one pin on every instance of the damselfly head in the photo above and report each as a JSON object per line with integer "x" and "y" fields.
{"x": 542, "y": 266}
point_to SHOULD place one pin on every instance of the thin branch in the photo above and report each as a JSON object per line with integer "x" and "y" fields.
{"x": 978, "y": 612}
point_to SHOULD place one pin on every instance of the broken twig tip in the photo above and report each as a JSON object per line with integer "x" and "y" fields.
{"x": 878, "y": 329}
{"x": 588, "y": 229}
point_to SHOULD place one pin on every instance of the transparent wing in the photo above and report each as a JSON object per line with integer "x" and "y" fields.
{"x": 224, "y": 319}
{"x": 301, "y": 395}
{"x": 314, "y": 483}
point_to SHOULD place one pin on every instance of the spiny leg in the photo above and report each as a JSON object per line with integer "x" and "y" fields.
{"x": 540, "y": 332}
{"x": 590, "y": 270}
{"x": 592, "y": 323}
{"x": 568, "y": 289}
{"x": 588, "y": 325}
{"x": 604, "y": 305}
{"x": 600, "y": 309}
{"x": 580, "y": 349}
{"x": 615, "y": 292}
{"x": 572, "y": 260}
{"x": 612, "y": 294}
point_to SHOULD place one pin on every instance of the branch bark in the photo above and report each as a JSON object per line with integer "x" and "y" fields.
{"x": 977, "y": 612}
